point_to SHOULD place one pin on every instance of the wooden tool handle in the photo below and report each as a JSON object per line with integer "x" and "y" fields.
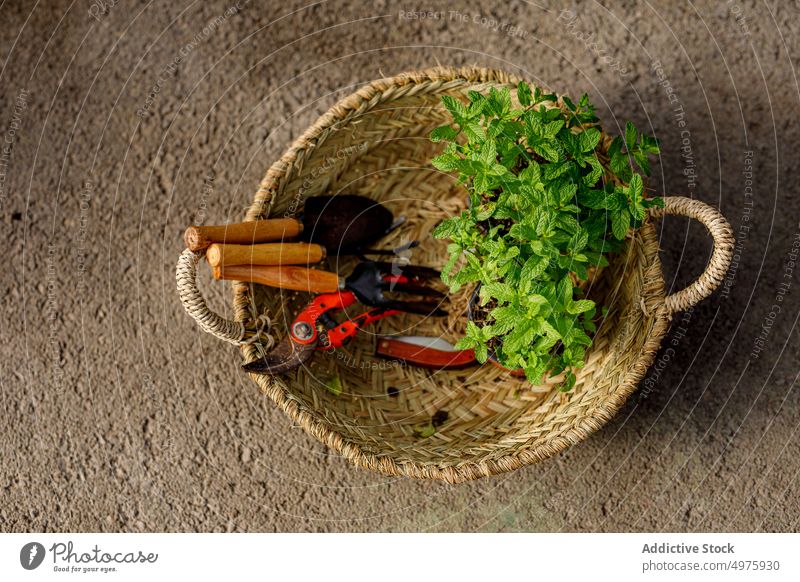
{"x": 198, "y": 238}
{"x": 295, "y": 278}
{"x": 222, "y": 255}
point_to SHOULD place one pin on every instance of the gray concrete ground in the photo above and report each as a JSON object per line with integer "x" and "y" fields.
{"x": 119, "y": 415}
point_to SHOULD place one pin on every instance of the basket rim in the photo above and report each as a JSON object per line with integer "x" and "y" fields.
{"x": 366, "y": 98}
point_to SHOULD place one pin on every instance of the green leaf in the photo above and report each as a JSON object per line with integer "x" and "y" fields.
{"x": 595, "y": 174}
{"x": 531, "y": 173}
{"x": 484, "y": 211}
{"x": 589, "y": 139}
{"x": 621, "y": 166}
{"x": 569, "y": 223}
{"x": 521, "y": 336}
{"x": 569, "y": 382}
{"x": 454, "y": 254}
{"x": 456, "y": 108}
{"x": 621, "y": 223}
{"x": 566, "y": 192}
{"x": 474, "y": 131}
{"x": 447, "y": 228}
{"x": 547, "y": 151}
{"x": 636, "y": 186}
{"x": 444, "y": 133}
{"x": 616, "y": 200}
{"x": 446, "y": 162}
{"x": 580, "y": 306}
{"x": 564, "y": 291}
{"x": 523, "y": 232}
{"x": 641, "y": 160}
{"x": 506, "y": 314}
{"x": 535, "y": 370}
{"x": 547, "y": 329}
{"x": 426, "y": 430}
{"x": 630, "y": 136}
{"x": 534, "y": 267}
{"x": 488, "y": 153}
{"x": 595, "y": 199}
{"x": 552, "y": 128}
{"x": 334, "y": 385}
{"x": 475, "y": 96}
{"x": 615, "y": 148}
{"x": 502, "y": 292}
{"x": 555, "y": 170}
{"x": 504, "y": 100}
{"x": 477, "y": 105}
{"x": 524, "y": 94}
{"x": 481, "y": 182}
{"x": 466, "y": 343}
{"x": 579, "y": 241}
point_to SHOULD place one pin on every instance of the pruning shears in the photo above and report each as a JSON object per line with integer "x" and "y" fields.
{"x": 314, "y": 329}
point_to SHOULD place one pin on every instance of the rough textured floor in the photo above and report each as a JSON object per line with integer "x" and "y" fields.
{"x": 124, "y": 123}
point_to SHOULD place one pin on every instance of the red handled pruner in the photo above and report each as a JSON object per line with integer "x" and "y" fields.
{"x": 315, "y": 330}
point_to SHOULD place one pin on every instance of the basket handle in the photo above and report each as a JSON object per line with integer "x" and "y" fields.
{"x": 724, "y": 242}
{"x": 234, "y": 332}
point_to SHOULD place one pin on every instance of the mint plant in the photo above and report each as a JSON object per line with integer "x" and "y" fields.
{"x": 543, "y": 211}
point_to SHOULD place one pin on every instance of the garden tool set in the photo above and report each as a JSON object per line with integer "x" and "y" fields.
{"x": 340, "y": 225}
{"x": 581, "y": 310}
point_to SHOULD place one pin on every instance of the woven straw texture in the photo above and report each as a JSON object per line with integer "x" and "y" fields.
{"x": 486, "y": 422}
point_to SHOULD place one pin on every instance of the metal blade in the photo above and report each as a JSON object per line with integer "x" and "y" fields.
{"x": 423, "y": 341}
{"x": 286, "y": 356}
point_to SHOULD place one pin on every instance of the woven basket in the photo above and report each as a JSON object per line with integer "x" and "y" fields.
{"x": 486, "y": 422}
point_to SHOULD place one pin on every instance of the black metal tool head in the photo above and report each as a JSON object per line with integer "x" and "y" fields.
{"x": 344, "y": 224}
{"x": 371, "y": 280}
{"x": 287, "y": 355}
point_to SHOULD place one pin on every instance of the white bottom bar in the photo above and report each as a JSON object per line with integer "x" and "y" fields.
{"x": 401, "y": 557}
